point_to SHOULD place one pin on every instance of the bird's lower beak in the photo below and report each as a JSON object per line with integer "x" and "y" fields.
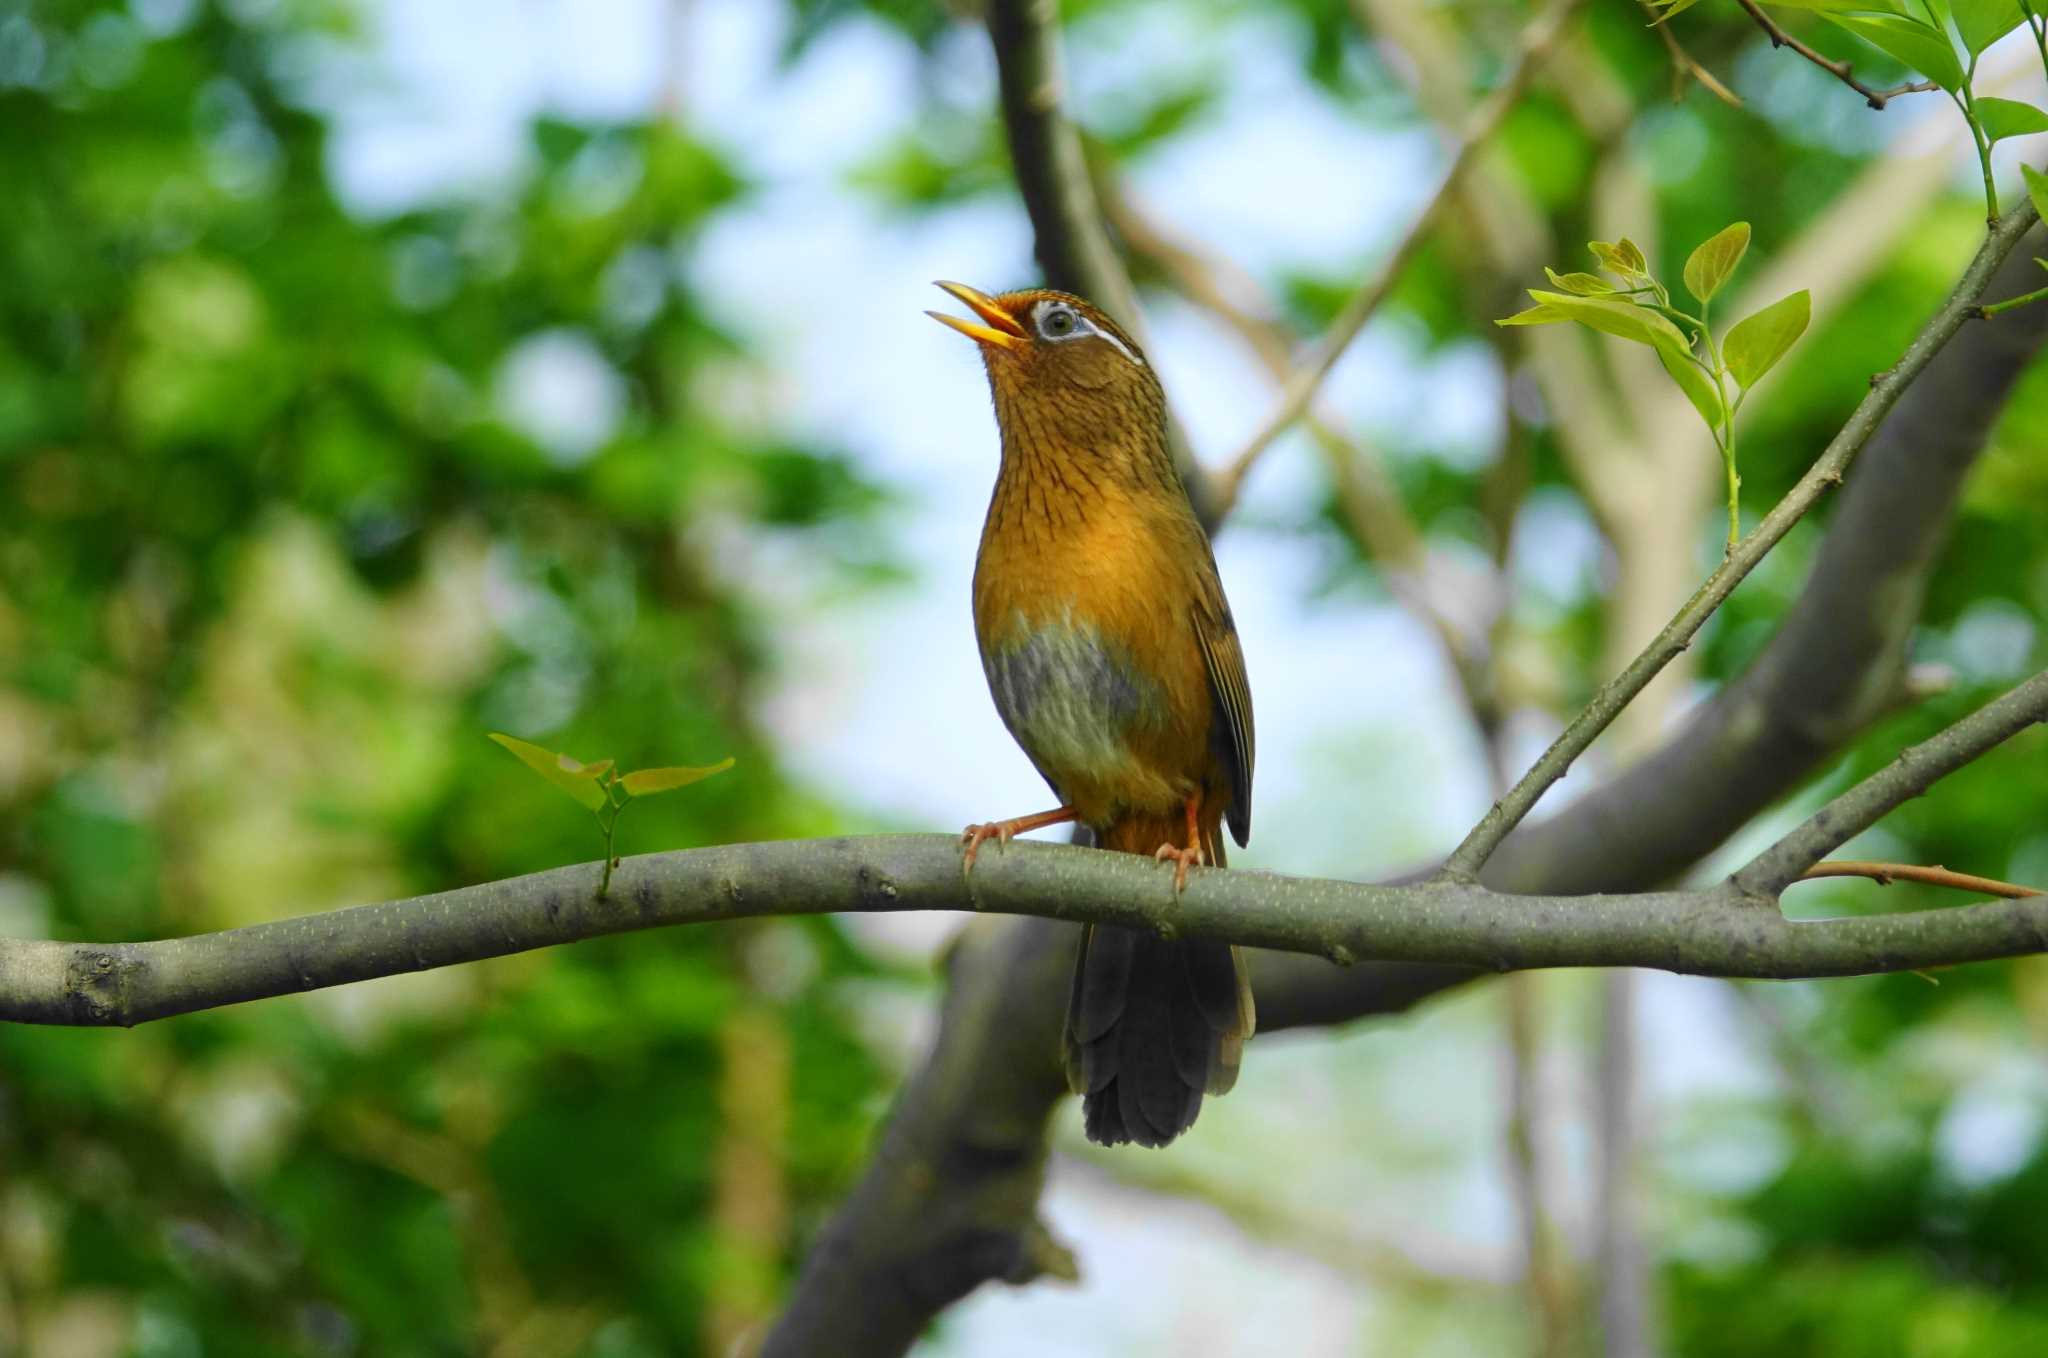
{"x": 1002, "y": 329}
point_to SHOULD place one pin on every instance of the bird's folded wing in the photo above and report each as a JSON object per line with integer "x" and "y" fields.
{"x": 1223, "y": 657}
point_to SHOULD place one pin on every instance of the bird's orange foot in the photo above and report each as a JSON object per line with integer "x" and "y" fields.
{"x": 1001, "y": 831}
{"x": 1182, "y": 859}
{"x": 1188, "y": 855}
{"x": 974, "y": 836}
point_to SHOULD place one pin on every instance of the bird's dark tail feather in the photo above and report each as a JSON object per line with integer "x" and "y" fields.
{"x": 1152, "y": 1025}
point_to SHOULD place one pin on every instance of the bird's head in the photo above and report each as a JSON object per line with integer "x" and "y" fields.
{"x": 1060, "y": 364}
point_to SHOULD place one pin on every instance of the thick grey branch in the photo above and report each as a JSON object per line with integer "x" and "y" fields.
{"x": 1718, "y": 931}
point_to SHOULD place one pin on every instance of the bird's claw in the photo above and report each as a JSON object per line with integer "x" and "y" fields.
{"x": 974, "y": 836}
{"x": 1182, "y": 860}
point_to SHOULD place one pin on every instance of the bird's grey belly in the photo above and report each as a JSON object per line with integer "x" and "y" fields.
{"x": 1070, "y": 698}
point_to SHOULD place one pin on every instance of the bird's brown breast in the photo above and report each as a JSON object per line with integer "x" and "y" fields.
{"x": 1082, "y": 610}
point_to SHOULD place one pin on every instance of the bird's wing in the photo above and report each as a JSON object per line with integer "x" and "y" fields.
{"x": 1223, "y": 657}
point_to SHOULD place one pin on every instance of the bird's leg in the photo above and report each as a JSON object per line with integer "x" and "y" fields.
{"x": 1191, "y": 855}
{"x": 974, "y": 836}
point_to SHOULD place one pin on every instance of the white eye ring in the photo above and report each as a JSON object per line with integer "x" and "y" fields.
{"x": 1057, "y": 321}
{"x": 1050, "y": 316}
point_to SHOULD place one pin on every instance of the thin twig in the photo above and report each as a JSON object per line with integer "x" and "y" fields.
{"x": 1302, "y": 384}
{"x": 1684, "y": 68}
{"x": 1840, "y": 70}
{"x": 1884, "y": 874}
{"x": 1987, "y": 312}
{"x": 1824, "y": 474}
{"x": 1916, "y": 769}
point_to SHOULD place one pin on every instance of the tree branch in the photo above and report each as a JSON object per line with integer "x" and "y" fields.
{"x": 1884, "y": 874}
{"x": 1704, "y": 932}
{"x": 1910, "y": 774}
{"x": 1824, "y": 474}
{"x": 1840, "y": 70}
{"x": 1716, "y": 931}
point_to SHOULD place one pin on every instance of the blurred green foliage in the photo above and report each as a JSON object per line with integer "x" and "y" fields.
{"x": 273, "y": 557}
{"x": 274, "y": 561}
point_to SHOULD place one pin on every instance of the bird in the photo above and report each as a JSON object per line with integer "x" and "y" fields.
{"x": 1114, "y": 661}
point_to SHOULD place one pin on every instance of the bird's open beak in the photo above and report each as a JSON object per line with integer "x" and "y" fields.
{"x": 1002, "y": 329}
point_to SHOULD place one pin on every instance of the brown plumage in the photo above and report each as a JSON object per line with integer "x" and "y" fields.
{"x": 1111, "y": 654}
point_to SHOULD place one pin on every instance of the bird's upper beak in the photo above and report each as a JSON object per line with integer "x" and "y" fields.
{"x": 1002, "y": 329}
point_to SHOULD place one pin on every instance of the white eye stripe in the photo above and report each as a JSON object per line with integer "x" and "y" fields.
{"x": 1081, "y": 326}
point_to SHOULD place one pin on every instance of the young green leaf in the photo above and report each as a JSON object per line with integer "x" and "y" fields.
{"x": 1755, "y": 344}
{"x": 578, "y": 780}
{"x": 1983, "y": 22}
{"x": 1615, "y": 317}
{"x": 2037, "y": 189}
{"x": 1535, "y": 315}
{"x": 2002, "y": 118}
{"x": 1697, "y": 386}
{"x": 647, "y": 782}
{"x": 1579, "y": 284}
{"x": 1667, "y": 9}
{"x": 1709, "y": 266}
{"x": 1845, "y": 6}
{"x": 1621, "y": 258}
{"x": 1919, "y": 44}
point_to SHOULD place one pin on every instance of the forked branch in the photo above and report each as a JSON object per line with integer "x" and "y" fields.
{"x": 1825, "y": 473}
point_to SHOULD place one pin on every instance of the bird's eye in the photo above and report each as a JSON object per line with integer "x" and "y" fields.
{"x": 1058, "y": 323}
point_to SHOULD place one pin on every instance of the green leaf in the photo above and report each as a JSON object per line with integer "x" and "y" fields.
{"x": 1983, "y": 22}
{"x": 1622, "y": 258}
{"x": 1667, "y": 9}
{"x": 1920, "y": 45}
{"x": 2002, "y": 118}
{"x": 1694, "y": 382}
{"x": 647, "y": 782}
{"x": 1614, "y": 316}
{"x": 1535, "y": 315}
{"x": 1756, "y": 343}
{"x": 1844, "y": 6}
{"x": 578, "y": 780}
{"x": 1579, "y": 284}
{"x": 2037, "y": 189}
{"x": 1715, "y": 259}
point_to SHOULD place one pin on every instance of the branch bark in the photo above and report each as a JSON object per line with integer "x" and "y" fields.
{"x": 1712, "y": 931}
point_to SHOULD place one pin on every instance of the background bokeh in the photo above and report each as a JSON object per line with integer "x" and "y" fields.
{"x": 377, "y": 375}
